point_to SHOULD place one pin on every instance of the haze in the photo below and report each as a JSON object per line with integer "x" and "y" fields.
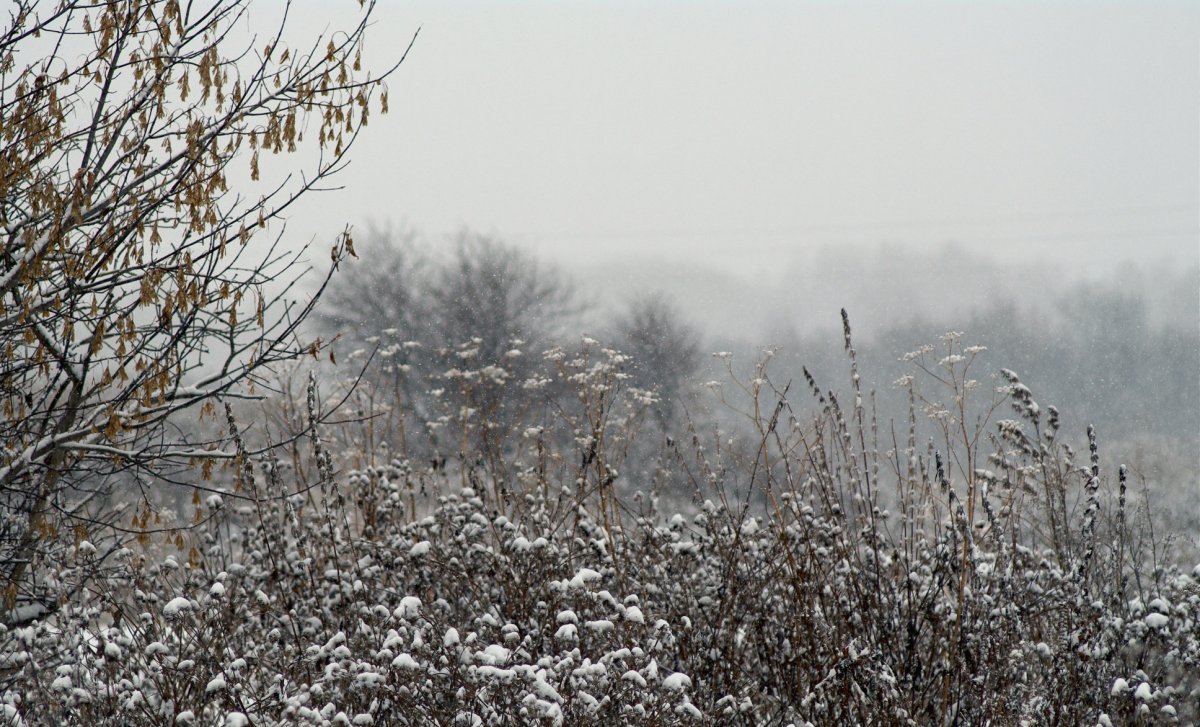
{"x": 738, "y": 135}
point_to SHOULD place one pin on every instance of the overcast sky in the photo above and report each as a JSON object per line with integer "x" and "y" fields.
{"x": 739, "y": 134}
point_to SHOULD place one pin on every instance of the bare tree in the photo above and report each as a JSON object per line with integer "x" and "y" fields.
{"x": 132, "y": 131}
{"x": 498, "y": 294}
{"x": 665, "y": 350}
{"x": 382, "y": 292}
{"x": 483, "y": 289}
{"x": 449, "y": 332}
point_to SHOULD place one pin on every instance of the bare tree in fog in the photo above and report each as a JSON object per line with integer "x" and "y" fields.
{"x": 483, "y": 289}
{"x": 381, "y": 293}
{"x": 498, "y": 294}
{"x": 484, "y": 306}
{"x": 665, "y": 350}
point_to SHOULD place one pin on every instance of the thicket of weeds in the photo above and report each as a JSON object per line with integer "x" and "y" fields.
{"x": 964, "y": 567}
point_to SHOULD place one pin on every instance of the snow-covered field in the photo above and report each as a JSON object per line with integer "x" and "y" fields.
{"x": 815, "y": 578}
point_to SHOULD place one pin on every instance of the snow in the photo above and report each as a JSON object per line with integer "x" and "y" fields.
{"x": 582, "y": 577}
{"x": 566, "y": 632}
{"x": 493, "y": 672}
{"x": 545, "y": 689}
{"x": 512, "y": 624}
{"x": 26, "y": 612}
{"x": 409, "y": 608}
{"x": 156, "y": 648}
{"x": 175, "y": 606}
{"x": 590, "y": 703}
{"x": 1156, "y": 620}
{"x": 369, "y": 680}
{"x": 493, "y": 654}
{"x": 567, "y": 616}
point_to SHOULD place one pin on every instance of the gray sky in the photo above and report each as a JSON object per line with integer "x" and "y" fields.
{"x": 742, "y": 134}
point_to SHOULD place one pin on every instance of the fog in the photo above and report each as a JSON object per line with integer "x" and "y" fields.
{"x": 655, "y": 363}
{"x": 740, "y": 135}
{"x": 649, "y": 363}
{"x": 927, "y": 166}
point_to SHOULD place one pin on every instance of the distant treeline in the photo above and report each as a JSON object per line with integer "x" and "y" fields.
{"x": 1105, "y": 353}
{"x": 1091, "y": 349}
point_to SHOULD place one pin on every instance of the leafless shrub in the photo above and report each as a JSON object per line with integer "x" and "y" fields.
{"x": 967, "y": 571}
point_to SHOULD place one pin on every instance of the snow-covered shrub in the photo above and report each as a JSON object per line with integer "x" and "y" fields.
{"x": 966, "y": 569}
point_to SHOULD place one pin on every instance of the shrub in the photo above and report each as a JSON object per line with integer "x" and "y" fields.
{"x": 968, "y": 570}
